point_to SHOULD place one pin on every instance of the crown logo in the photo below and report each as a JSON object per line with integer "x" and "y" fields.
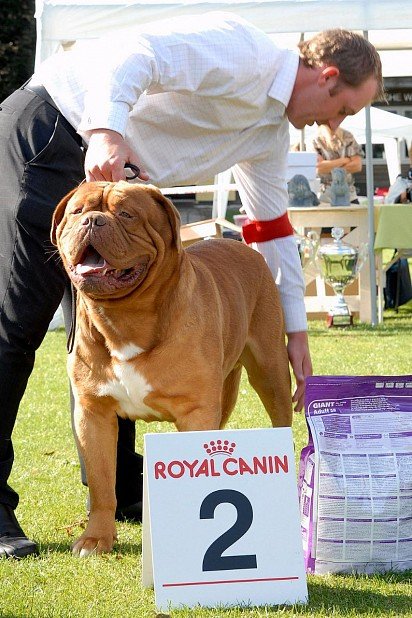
{"x": 219, "y": 447}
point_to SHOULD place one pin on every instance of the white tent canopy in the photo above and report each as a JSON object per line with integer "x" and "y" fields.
{"x": 62, "y": 21}
{"x": 386, "y": 128}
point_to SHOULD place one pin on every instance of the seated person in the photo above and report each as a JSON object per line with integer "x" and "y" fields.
{"x": 400, "y": 192}
{"x": 336, "y": 149}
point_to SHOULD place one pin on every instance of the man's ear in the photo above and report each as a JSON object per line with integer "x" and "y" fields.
{"x": 329, "y": 74}
{"x": 58, "y": 215}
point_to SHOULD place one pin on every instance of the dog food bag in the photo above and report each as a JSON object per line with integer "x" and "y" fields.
{"x": 355, "y": 476}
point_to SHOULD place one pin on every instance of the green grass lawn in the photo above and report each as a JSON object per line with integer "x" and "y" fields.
{"x": 52, "y": 506}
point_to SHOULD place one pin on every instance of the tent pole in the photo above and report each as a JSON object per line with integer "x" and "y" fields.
{"x": 371, "y": 210}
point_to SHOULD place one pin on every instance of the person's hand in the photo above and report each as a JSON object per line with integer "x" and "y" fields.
{"x": 106, "y": 156}
{"x": 299, "y": 358}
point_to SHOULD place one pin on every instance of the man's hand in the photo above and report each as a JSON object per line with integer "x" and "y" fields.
{"x": 299, "y": 358}
{"x": 106, "y": 156}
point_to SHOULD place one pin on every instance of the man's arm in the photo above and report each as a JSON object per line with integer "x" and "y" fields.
{"x": 325, "y": 166}
{"x": 354, "y": 164}
{"x": 262, "y": 188}
{"x": 299, "y": 358}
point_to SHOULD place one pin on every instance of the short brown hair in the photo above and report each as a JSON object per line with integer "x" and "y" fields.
{"x": 354, "y": 56}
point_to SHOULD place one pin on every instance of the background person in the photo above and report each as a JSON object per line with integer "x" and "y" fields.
{"x": 182, "y": 100}
{"x": 400, "y": 192}
{"x": 336, "y": 148}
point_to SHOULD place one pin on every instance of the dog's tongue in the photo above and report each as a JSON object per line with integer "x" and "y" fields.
{"x": 93, "y": 262}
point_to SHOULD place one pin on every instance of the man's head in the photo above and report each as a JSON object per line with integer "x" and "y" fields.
{"x": 339, "y": 73}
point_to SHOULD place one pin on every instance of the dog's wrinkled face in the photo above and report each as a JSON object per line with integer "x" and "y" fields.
{"x": 110, "y": 234}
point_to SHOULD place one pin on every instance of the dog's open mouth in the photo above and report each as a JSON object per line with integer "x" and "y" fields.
{"x": 92, "y": 270}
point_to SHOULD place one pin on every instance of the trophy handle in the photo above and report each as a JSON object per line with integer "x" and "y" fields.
{"x": 308, "y": 247}
{"x": 362, "y": 256}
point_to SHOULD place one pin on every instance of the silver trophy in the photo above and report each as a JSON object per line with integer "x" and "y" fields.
{"x": 339, "y": 265}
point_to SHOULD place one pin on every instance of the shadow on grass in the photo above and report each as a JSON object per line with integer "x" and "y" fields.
{"x": 393, "y": 323}
{"x": 327, "y": 597}
{"x": 359, "y": 330}
{"x": 120, "y": 549}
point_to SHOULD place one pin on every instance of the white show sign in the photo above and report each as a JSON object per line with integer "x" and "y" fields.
{"x": 221, "y": 519}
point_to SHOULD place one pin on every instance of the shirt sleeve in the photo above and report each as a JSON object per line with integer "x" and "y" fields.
{"x": 114, "y": 88}
{"x": 171, "y": 56}
{"x": 263, "y": 192}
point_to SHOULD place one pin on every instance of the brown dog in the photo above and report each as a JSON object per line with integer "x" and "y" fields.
{"x": 162, "y": 332}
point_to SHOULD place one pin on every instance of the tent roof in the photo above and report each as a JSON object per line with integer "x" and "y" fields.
{"x": 69, "y": 20}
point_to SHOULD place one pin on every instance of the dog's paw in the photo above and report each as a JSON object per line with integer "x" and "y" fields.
{"x": 89, "y": 545}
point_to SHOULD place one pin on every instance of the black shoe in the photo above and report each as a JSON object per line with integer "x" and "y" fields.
{"x": 13, "y": 541}
{"x": 132, "y": 513}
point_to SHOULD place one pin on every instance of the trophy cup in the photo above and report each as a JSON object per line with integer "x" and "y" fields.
{"x": 339, "y": 265}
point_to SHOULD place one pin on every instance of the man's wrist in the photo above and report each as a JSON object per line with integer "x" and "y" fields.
{"x": 300, "y": 334}
{"x": 102, "y": 131}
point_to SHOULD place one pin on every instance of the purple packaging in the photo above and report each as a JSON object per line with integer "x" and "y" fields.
{"x": 355, "y": 474}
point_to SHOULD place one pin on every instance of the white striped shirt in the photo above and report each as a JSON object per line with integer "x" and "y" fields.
{"x": 194, "y": 96}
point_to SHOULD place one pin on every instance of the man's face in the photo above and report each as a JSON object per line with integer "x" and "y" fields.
{"x": 325, "y": 101}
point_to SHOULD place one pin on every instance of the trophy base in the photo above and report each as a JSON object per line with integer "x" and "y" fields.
{"x": 339, "y": 320}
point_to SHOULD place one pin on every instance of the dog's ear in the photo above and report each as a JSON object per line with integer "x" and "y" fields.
{"x": 172, "y": 213}
{"x": 59, "y": 214}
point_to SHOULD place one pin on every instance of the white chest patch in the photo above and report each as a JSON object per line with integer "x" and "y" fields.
{"x": 126, "y": 352}
{"x": 129, "y": 388}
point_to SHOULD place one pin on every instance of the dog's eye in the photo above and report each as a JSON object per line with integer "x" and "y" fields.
{"x": 77, "y": 211}
{"x": 125, "y": 214}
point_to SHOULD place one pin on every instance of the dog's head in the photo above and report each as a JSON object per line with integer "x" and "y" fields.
{"x": 112, "y": 235}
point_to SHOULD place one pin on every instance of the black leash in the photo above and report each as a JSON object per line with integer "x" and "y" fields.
{"x": 70, "y": 340}
{"x": 135, "y": 170}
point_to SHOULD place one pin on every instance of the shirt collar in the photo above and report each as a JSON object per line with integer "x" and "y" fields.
{"x": 282, "y": 85}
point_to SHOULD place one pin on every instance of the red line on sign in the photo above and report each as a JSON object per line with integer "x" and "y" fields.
{"x": 231, "y": 581}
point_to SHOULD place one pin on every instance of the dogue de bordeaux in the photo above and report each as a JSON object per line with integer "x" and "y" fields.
{"x": 162, "y": 332}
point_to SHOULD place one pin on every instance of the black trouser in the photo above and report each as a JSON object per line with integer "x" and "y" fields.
{"x": 41, "y": 159}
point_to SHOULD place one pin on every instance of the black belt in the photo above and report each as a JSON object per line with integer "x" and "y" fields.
{"x": 41, "y": 92}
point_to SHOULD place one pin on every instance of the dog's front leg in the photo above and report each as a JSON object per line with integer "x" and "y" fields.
{"x": 206, "y": 417}
{"x": 96, "y": 432}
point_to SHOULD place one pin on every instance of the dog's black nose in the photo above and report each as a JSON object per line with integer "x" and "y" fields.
{"x": 92, "y": 219}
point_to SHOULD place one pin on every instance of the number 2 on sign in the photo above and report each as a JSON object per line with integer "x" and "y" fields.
{"x": 213, "y": 559}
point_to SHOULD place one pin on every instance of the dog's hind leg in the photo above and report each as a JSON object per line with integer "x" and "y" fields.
{"x": 230, "y": 392}
{"x": 265, "y": 356}
{"x": 268, "y": 373}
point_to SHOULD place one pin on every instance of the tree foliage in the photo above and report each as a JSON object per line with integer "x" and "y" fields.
{"x": 17, "y": 44}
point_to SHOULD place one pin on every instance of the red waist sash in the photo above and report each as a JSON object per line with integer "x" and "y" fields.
{"x": 261, "y": 231}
